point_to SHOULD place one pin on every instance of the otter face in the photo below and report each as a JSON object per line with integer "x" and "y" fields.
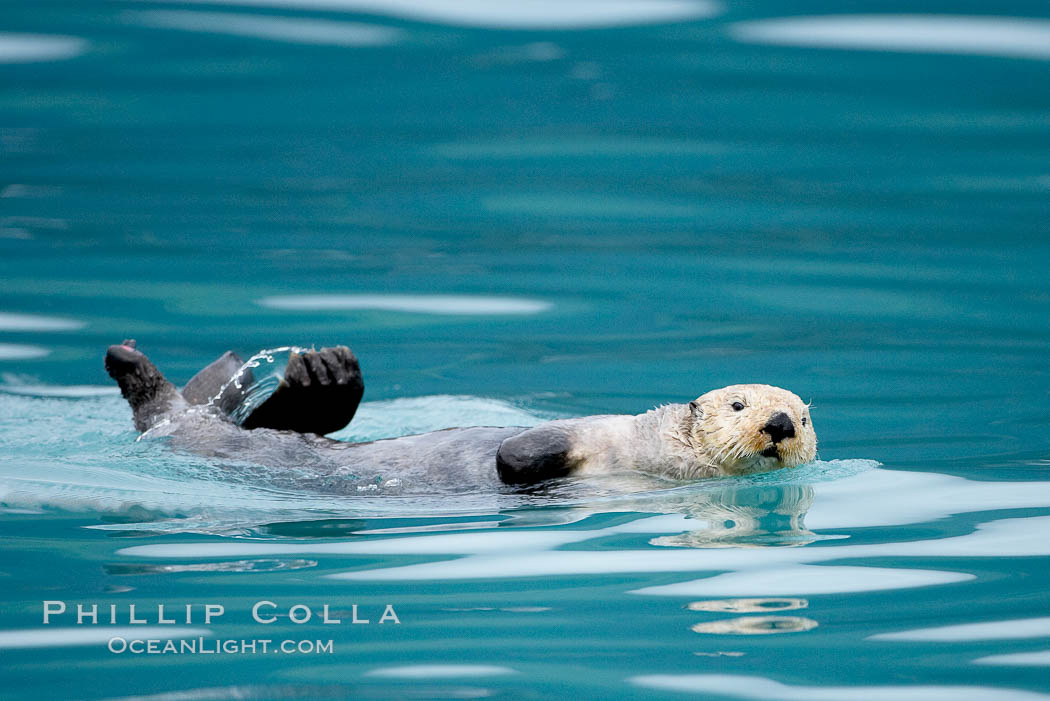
{"x": 742, "y": 429}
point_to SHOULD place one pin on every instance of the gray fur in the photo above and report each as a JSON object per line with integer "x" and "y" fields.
{"x": 215, "y": 378}
{"x": 739, "y": 429}
{"x": 449, "y": 460}
{"x": 453, "y": 460}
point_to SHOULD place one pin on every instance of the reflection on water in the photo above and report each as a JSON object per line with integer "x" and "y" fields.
{"x": 247, "y": 692}
{"x": 804, "y": 579}
{"x": 34, "y": 322}
{"x": 1012, "y": 37}
{"x": 234, "y": 566}
{"x": 508, "y": 548}
{"x": 305, "y": 31}
{"x": 440, "y": 671}
{"x": 30, "y": 48}
{"x": 756, "y": 625}
{"x": 534, "y": 14}
{"x": 748, "y": 517}
{"x": 748, "y": 605}
{"x": 745, "y": 687}
{"x": 991, "y": 630}
{"x": 1040, "y": 658}
{"x": 720, "y": 653}
{"x": 450, "y": 305}
{"x": 21, "y": 351}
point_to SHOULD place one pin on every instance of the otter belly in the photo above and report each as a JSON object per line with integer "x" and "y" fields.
{"x": 456, "y": 459}
{"x": 464, "y": 457}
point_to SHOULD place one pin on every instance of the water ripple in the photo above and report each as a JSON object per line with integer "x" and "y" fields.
{"x": 31, "y": 48}
{"x": 33, "y": 322}
{"x": 440, "y": 671}
{"x": 1011, "y": 37}
{"x": 287, "y": 29}
{"x": 527, "y": 14}
{"x": 745, "y": 687}
{"x": 417, "y": 304}
{"x": 989, "y": 630}
{"x": 76, "y": 637}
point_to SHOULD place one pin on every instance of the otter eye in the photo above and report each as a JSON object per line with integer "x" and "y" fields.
{"x": 804, "y": 420}
{"x": 737, "y": 406}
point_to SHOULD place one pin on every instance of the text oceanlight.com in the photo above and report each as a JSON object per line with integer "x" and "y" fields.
{"x": 207, "y": 646}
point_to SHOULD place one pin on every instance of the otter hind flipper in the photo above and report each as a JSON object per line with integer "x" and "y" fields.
{"x": 141, "y": 383}
{"x": 319, "y": 393}
{"x": 535, "y": 455}
{"x": 215, "y": 378}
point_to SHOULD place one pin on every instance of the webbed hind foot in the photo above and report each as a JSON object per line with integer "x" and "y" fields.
{"x": 141, "y": 383}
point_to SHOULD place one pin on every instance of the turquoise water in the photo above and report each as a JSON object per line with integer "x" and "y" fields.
{"x": 512, "y": 214}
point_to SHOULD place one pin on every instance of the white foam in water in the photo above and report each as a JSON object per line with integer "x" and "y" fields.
{"x": 18, "y": 351}
{"x": 748, "y": 687}
{"x": 419, "y": 304}
{"x": 1012, "y": 37}
{"x": 32, "y": 322}
{"x": 440, "y": 671}
{"x": 31, "y": 48}
{"x": 991, "y": 630}
{"x": 1040, "y": 658}
{"x": 806, "y": 579}
{"x": 301, "y": 31}
{"x": 522, "y": 14}
{"x": 76, "y": 637}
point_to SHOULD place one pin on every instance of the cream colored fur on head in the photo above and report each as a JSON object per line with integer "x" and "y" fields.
{"x": 723, "y": 432}
{"x": 726, "y": 429}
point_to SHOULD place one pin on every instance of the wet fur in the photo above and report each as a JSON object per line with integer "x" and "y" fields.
{"x": 704, "y": 438}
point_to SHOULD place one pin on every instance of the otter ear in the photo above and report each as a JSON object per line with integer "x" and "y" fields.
{"x": 694, "y": 406}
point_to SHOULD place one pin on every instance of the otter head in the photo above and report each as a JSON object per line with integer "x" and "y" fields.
{"x": 742, "y": 429}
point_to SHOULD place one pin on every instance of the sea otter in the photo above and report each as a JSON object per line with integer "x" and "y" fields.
{"x": 740, "y": 429}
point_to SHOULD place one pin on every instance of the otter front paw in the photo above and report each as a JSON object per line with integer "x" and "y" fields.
{"x": 319, "y": 394}
{"x": 535, "y": 455}
{"x": 326, "y": 367}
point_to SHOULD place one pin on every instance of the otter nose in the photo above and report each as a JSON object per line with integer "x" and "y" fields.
{"x": 779, "y": 427}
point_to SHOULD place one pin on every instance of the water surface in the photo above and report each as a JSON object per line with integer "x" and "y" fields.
{"x": 514, "y": 214}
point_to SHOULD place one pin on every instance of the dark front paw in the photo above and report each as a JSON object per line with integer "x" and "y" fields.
{"x": 326, "y": 367}
{"x": 319, "y": 394}
{"x": 535, "y": 455}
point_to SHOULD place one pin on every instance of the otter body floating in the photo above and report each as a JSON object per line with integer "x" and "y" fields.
{"x": 740, "y": 429}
